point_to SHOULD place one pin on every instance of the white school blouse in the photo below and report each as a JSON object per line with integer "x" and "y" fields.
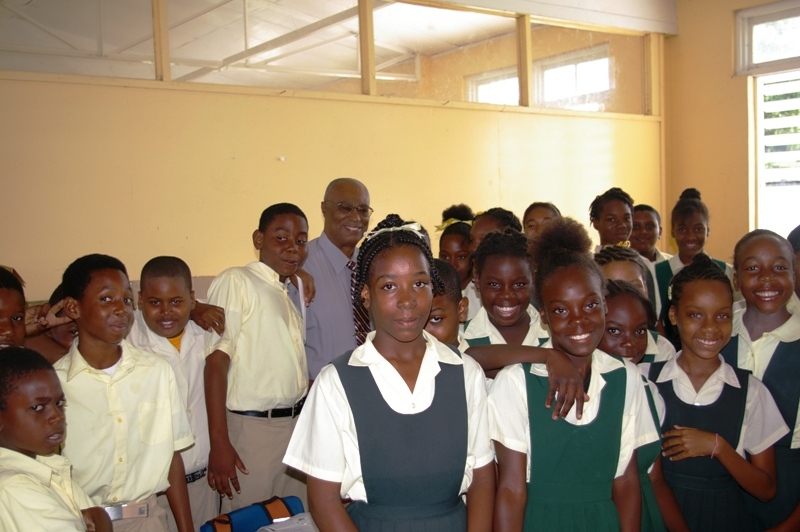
{"x": 509, "y": 422}
{"x": 755, "y": 355}
{"x": 325, "y": 443}
{"x": 763, "y": 424}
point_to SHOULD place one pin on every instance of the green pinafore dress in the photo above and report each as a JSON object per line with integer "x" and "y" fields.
{"x": 652, "y": 520}
{"x": 573, "y": 467}
{"x": 412, "y": 464}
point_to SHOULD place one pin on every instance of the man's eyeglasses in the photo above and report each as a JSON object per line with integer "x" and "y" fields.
{"x": 346, "y": 208}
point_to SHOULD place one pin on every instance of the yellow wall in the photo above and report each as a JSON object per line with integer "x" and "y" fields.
{"x": 136, "y": 169}
{"x": 707, "y": 118}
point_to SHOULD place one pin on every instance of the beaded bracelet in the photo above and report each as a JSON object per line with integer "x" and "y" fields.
{"x": 714, "y": 450}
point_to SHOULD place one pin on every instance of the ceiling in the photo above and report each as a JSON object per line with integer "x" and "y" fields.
{"x": 296, "y": 44}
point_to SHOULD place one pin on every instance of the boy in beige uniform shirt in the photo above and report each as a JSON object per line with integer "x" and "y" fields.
{"x": 126, "y": 419}
{"x": 256, "y": 374}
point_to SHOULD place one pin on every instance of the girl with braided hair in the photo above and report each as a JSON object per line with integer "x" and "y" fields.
{"x": 721, "y": 422}
{"x": 398, "y": 425}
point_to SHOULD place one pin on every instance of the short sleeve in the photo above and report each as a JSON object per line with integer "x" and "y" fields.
{"x": 26, "y": 506}
{"x": 316, "y": 447}
{"x": 227, "y": 291}
{"x": 181, "y": 430}
{"x": 479, "y": 446}
{"x": 638, "y": 427}
{"x": 763, "y": 424}
{"x": 508, "y": 410}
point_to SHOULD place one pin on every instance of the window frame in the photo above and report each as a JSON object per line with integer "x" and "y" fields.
{"x": 746, "y": 20}
{"x": 573, "y": 57}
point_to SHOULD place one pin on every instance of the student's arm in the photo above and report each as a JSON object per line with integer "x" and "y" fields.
{"x": 223, "y": 459}
{"x": 209, "y": 317}
{"x": 566, "y": 384}
{"x": 756, "y": 477}
{"x": 670, "y": 511}
{"x": 512, "y": 490}
{"x": 40, "y": 318}
{"x": 480, "y": 499}
{"x": 96, "y": 520}
{"x": 326, "y": 506}
{"x": 309, "y": 288}
{"x": 627, "y": 496}
{"x": 178, "y": 494}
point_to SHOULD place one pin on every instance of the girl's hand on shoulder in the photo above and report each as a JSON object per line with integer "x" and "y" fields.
{"x": 686, "y": 442}
{"x": 566, "y": 385}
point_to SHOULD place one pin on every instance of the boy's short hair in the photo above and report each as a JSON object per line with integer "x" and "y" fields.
{"x": 165, "y": 266}
{"x": 643, "y": 207}
{"x": 273, "y": 211}
{"x": 56, "y": 296}
{"x": 78, "y": 275}
{"x": 449, "y": 276}
{"x": 16, "y": 363}
{"x": 9, "y": 281}
{"x": 794, "y": 239}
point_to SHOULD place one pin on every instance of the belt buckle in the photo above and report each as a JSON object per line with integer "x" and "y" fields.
{"x": 134, "y": 510}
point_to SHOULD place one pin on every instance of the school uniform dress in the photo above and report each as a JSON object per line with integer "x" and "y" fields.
{"x": 738, "y": 407}
{"x": 474, "y": 298}
{"x": 571, "y": 470}
{"x": 188, "y": 365}
{"x": 403, "y": 456}
{"x": 38, "y": 494}
{"x": 267, "y": 378}
{"x": 775, "y": 360}
{"x": 652, "y": 286}
{"x": 123, "y": 430}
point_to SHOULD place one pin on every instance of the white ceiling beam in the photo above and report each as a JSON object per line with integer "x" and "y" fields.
{"x": 181, "y": 22}
{"x": 304, "y": 48}
{"x": 42, "y": 27}
{"x": 283, "y": 40}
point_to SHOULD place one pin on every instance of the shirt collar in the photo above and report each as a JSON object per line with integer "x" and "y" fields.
{"x": 148, "y": 340}
{"x": 789, "y": 331}
{"x": 435, "y": 351}
{"x": 41, "y": 467}
{"x": 267, "y": 273}
{"x": 724, "y": 372}
{"x": 335, "y": 256}
{"x": 481, "y": 326}
{"x": 130, "y": 357}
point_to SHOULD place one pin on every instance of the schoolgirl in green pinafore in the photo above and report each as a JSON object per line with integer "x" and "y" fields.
{"x": 578, "y": 474}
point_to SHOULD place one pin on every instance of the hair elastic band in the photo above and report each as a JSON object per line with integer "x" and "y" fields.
{"x": 714, "y": 450}
{"x": 450, "y": 221}
{"x": 414, "y": 227}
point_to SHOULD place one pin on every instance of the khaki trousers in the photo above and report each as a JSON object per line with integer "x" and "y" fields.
{"x": 203, "y": 500}
{"x": 261, "y": 444}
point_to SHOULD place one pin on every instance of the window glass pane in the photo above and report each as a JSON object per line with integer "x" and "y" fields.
{"x": 779, "y": 39}
{"x": 502, "y": 92}
{"x": 442, "y": 54}
{"x": 778, "y": 168}
{"x": 91, "y": 37}
{"x": 290, "y": 44}
{"x": 587, "y": 70}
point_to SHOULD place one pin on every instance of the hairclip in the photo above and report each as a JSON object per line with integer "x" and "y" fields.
{"x": 413, "y": 227}
{"x": 450, "y": 221}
